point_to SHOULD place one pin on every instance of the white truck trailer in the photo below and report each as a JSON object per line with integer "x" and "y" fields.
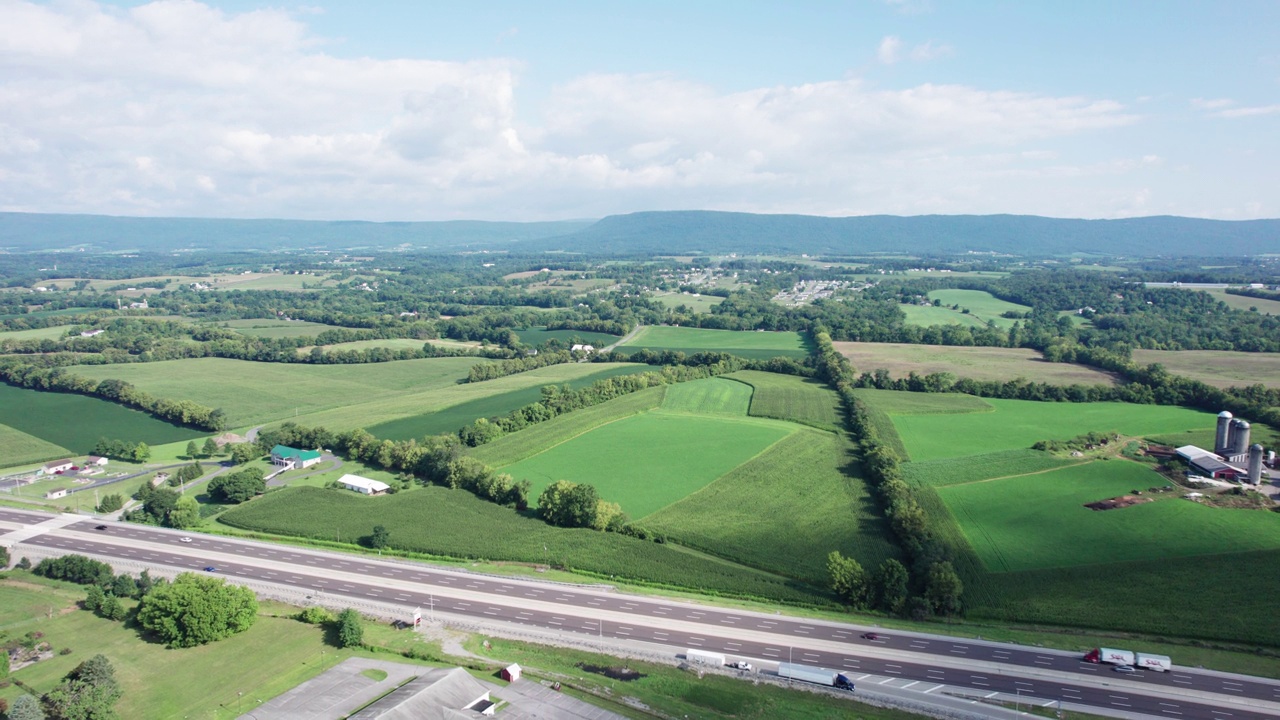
{"x": 818, "y": 676}
{"x": 703, "y": 657}
{"x": 1144, "y": 661}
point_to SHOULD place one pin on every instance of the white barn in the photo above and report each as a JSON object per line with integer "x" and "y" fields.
{"x": 363, "y": 485}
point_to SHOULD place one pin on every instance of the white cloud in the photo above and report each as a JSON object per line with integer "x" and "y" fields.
{"x": 1211, "y": 104}
{"x": 1249, "y": 111}
{"x": 929, "y": 51}
{"x": 890, "y": 50}
{"x": 175, "y": 108}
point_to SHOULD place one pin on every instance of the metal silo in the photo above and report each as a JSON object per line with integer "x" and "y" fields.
{"x": 1240, "y": 438}
{"x": 1255, "y": 464}
{"x": 1222, "y": 441}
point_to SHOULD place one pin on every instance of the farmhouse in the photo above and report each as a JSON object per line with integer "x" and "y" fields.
{"x": 293, "y": 458}
{"x": 363, "y": 485}
{"x": 57, "y": 466}
{"x": 55, "y": 494}
{"x": 95, "y": 460}
{"x": 444, "y": 693}
{"x": 91, "y": 333}
{"x": 583, "y": 348}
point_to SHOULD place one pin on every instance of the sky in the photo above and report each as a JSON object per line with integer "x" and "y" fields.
{"x": 549, "y": 110}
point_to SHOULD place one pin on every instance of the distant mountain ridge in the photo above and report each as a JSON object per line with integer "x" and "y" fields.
{"x": 664, "y": 232}
{"x": 709, "y": 232}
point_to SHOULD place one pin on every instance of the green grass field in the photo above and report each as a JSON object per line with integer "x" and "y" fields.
{"x": 784, "y": 511}
{"x": 49, "y": 333}
{"x": 786, "y": 397}
{"x": 981, "y": 305}
{"x": 699, "y": 303}
{"x": 159, "y": 683}
{"x": 540, "y": 335}
{"x": 393, "y": 343}
{"x": 532, "y": 440}
{"x": 692, "y": 340}
{"x": 712, "y": 396}
{"x": 1220, "y": 368}
{"x": 19, "y": 448}
{"x": 252, "y": 392}
{"x": 498, "y": 401}
{"x": 77, "y": 422}
{"x": 895, "y": 402}
{"x": 1020, "y": 423}
{"x": 455, "y": 523}
{"x": 928, "y": 316}
{"x": 957, "y": 471}
{"x": 978, "y": 363}
{"x": 646, "y": 462}
{"x": 1246, "y": 303}
{"x": 276, "y": 328}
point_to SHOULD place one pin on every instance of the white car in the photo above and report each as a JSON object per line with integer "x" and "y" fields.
{"x": 184, "y": 538}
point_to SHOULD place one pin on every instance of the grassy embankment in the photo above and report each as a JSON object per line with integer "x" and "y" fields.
{"x": 741, "y": 343}
{"x": 978, "y": 363}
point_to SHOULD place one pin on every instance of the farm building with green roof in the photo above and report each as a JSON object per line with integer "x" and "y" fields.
{"x": 288, "y": 457}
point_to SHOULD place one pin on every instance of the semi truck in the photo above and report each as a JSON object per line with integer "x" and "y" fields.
{"x": 703, "y": 657}
{"x": 1128, "y": 658}
{"x": 818, "y": 676}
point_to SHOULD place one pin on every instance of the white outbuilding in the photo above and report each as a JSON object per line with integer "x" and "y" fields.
{"x": 364, "y": 485}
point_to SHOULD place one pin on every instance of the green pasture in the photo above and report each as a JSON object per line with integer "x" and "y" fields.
{"x": 928, "y": 316}
{"x": 455, "y": 523}
{"x": 1246, "y": 303}
{"x": 784, "y": 511}
{"x": 253, "y": 392}
{"x": 476, "y": 403}
{"x": 957, "y": 471}
{"x": 49, "y": 333}
{"x": 646, "y": 462}
{"x": 787, "y": 397}
{"x": 19, "y": 448}
{"x": 540, "y": 335}
{"x": 711, "y": 396}
{"x": 744, "y": 343}
{"x": 696, "y": 303}
{"x": 77, "y": 422}
{"x": 159, "y": 683}
{"x": 981, "y": 304}
{"x": 392, "y": 343}
{"x": 1220, "y": 368}
{"x": 1039, "y": 521}
{"x": 978, "y": 363}
{"x": 51, "y": 313}
{"x": 277, "y": 328}
{"x": 1021, "y": 423}
{"x": 534, "y": 439}
{"x": 898, "y": 402}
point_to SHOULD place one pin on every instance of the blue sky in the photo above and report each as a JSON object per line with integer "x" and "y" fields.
{"x": 527, "y": 111}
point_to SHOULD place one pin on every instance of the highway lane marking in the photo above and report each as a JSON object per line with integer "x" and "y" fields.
{"x": 886, "y": 680}
{"x": 1120, "y": 704}
{"x": 935, "y": 687}
{"x": 851, "y": 664}
{"x": 913, "y": 682}
{"x": 772, "y": 653}
{"x": 864, "y": 677}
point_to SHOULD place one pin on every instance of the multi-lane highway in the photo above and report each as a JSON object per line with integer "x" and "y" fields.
{"x": 923, "y": 663}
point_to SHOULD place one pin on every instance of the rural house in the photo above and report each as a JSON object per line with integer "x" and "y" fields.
{"x": 95, "y": 460}
{"x": 293, "y": 458}
{"x": 57, "y": 466}
{"x": 364, "y": 485}
{"x": 55, "y": 494}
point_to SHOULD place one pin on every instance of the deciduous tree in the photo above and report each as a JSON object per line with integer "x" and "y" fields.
{"x": 195, "y": 609}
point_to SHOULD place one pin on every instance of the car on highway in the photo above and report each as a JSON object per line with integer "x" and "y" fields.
{"x": 99, "y": 527}
{"x": 870, "y": 636}
{"x": 184, "y": 539}
{"x": 741, "y": 665}
{"x": 210, "y": 568}
{"x": 1123, "y": 669}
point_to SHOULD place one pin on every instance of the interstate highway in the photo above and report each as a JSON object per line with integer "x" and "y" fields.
{"x": 931, "y": 661}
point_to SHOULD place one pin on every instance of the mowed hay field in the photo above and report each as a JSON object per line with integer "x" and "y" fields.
{"x": 276, "y": 328}
{"x": 48, "y": 333}
{"x": 784, "y": 511}
{"x": 747, "y": 344}
{"x": 1015, "y": 424}
{"x": 1040, "y": 521}
{"x": 648, "y": 461}
{"x": 251, "y": 392}
{"x": 77, "y": 422}
{"x": 393, "y": 344}
{"x": 1220, "y": 368}
{"x": 455, "y": 523}
{"x": 540, "y": 335}
{"x": 982, "y": 305}
{"x": 978, "y": 363}
{"x": 19, "y": 448}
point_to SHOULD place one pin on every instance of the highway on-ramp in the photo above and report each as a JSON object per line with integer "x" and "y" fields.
{"x": 923, "y": 663}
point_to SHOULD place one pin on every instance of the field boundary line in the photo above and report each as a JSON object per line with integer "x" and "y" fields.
{"x": 1026, "y": 474}
{"x": 593, "y": 428}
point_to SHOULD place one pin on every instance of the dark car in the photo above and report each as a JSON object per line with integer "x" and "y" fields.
{"x": 99, "y": 527}
{"x": 210, "y": 568}
{"x": 870, "y": 636}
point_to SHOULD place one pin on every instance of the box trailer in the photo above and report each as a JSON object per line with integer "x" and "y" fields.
{"x": 1159, "y": 663}
{"x": 703, "y": 657}
{"x": 818, "y": 676}
{"x": 1144, "y": 661}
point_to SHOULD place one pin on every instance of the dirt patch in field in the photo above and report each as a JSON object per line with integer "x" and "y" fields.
{"x": 625, "y": 674}
{"x": 1116, "y": 503}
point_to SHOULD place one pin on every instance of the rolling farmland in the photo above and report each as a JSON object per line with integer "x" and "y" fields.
{"x": 19, "y": 448}
{"x": 692, "y": 340}
{"x": 276, "y": 328}
{"x": 713, "y": 396}
{"x": 785, "y": 397}
{"x": 981, "y": 305}
{"x": 978, "y": 363}
{"x": 538, "y": 336}
{"x": 48, "y": 417}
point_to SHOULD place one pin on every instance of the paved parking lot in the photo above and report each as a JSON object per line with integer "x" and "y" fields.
{"x": 335, "y": 693}
{"x": 533, "y": 701}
